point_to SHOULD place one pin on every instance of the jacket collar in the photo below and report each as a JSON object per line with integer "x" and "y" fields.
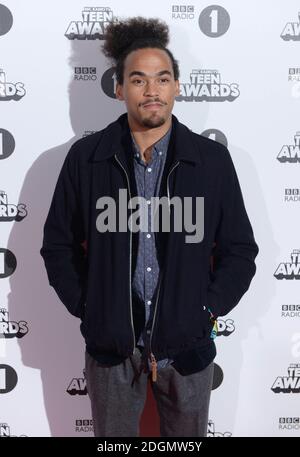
{"x": 110, "y": 141}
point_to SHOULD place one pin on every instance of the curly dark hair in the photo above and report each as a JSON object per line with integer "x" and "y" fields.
{"x": 123, "y": 37}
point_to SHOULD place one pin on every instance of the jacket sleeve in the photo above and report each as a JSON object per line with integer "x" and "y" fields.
{"x": 63, "y": 233}
{"x": 235, "y": 247}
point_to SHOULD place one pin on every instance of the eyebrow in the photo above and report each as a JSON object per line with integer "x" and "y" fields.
{"x": 141, "y": 73}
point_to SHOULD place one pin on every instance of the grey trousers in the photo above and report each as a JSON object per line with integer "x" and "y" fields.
{"x": 118, "y": 396}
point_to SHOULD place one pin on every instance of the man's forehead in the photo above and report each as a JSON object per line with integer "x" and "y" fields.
{"x": 148, "y": 58}
{"x": 149, "y": 75}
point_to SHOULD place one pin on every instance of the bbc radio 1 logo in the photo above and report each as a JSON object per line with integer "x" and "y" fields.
{"x": 7, "y": 144}
{"x": 11, "y": 329}
{"x": 5, "y": 428}
{"x": 10, "y": 212}
{"x": 294, "y": 78}
{"x": 291, "y": 30}
{"x": 290, "y": 310}
{"x": 292, "y": 195}
{"x": 84, "y": 425}
{"x": 10, "y": 91}
{"x": 85, "y": 74}
{"x": 8, "y": 263}
{"x": 207, "y": 85}
{"x": 183, "y": 12}
{"x": 289, "y": 270}
{"x": 289, "y": 423}
{"x": 294, "y": 74}
{"x": 77, "y": 386}
{"x": 290, "y": 152}
{"x": 216, "y": 135}
{"x": 211, "y": 431}
{"x": 8, "y": 378}
{"x": 288, "y": 384}
{"x": 214, "y": 21}
{"x": 109, "y": 82}
{"x": 6, "y": 20}
{"x": 95, "y": 19}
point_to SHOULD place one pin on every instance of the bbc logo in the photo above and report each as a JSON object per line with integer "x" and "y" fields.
{"x": 182, "y": 8}
{"x": 290, "y": 307}
{"x": 85, "y": 70}
{"x": 289, "y": 420}
{"x": 84, "y": 422}
{"x": 294, "y": 71}
{"x": 292, "y": 191}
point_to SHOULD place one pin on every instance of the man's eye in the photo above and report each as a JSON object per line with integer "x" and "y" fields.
{"x": 164, "y": 79}
{"x": 137, "y": 81}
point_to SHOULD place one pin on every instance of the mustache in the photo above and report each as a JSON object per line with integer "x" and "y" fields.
{"x": 153, "y": 101}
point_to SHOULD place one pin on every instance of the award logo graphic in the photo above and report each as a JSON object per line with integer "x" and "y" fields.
{"x": 291, "y": 30}
{"x": 92, "y": 27}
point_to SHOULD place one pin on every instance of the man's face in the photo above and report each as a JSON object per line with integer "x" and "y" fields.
{"x": 148, "y": 88}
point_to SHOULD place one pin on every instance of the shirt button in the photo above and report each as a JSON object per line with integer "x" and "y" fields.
{"x": 148, "y": 268}
{"x": 149, "y": 169}
{"x": 148, "y": 235}
{"x": 148, "y": 202}
{"x": 137, "y": 154}
{"x": 148, "y": 332}
{"x": 160, "y": 153}
{"x": 149, "y": 302}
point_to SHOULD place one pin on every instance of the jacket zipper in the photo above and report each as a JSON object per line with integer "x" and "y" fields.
{"x": 152, "y": 356}
{"x": 130, "y": 255}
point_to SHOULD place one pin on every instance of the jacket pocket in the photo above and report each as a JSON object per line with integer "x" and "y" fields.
{"x": 73, "y": 294}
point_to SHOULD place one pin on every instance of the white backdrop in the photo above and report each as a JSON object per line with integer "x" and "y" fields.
{"x": 55, "y": 88}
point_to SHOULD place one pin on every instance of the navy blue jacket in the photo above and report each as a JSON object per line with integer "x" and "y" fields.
{"x": 92, "y": 272}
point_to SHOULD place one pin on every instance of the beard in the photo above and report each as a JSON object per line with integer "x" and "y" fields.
{"x": 153, "y": 121}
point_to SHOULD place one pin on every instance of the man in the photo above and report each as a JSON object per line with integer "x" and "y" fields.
{"x": 148, "y": 300}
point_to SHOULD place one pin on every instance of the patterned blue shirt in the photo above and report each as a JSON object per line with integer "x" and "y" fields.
{"x": 148, "y": 178}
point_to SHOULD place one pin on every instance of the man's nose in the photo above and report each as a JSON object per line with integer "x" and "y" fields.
{"x": 151, "y": 89}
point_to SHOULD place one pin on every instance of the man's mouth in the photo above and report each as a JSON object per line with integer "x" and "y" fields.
{"x": 153, "y": 105}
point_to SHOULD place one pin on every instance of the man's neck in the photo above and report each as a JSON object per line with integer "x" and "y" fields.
{"x": 146, "y": 138}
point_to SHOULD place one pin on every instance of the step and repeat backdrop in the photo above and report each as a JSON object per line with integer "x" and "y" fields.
{"x": 239, "y": 85}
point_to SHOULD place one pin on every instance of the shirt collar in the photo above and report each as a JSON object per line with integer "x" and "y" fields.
{"x": 160, "y": 145}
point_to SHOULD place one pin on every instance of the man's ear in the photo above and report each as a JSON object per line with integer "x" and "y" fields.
{"x": 177, "y": 88}
{"x": 119, "y": 91}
